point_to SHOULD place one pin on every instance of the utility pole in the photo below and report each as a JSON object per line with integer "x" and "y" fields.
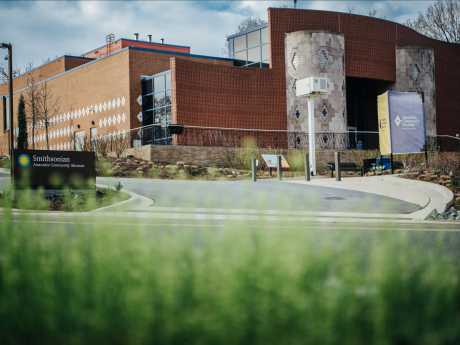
{"x": 10, "y": 101}
{"x": 295, "y": 3}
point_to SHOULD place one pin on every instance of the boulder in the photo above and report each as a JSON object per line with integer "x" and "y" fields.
{"x": 187, "y": 167}
{"x": 421, "y": 177}
{"x": 229, "y": 176}
{"x": 194, "y": 167}
{"x": 398, "y": 171}
{"x": 378, "y": 173}
{"x": 387, "y": 172}
{"x": 150, "y": 164}
{"x": 444, "y": 178}
{"x": 167, "y": 166}
{"x": 180, "y": 164}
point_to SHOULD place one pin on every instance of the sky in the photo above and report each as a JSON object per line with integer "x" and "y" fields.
{"x": 49, "y": 29}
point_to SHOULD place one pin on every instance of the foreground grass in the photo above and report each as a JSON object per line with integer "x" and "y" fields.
{"x": 101, "y": 284}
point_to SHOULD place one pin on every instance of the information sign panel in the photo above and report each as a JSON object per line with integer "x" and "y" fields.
{"x": 271, "y": 161}
{"x": 54, "y": 169}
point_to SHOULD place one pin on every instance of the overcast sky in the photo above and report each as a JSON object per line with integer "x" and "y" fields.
{"x": 45, "y": 29}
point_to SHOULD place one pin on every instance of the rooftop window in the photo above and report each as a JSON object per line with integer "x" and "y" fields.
{"x": 250, "y": 48}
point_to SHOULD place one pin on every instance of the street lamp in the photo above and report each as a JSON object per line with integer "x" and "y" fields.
{"x": 10, "y": 91}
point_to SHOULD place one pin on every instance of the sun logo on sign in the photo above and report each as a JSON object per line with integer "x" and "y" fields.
{"x": 24, "y": 160}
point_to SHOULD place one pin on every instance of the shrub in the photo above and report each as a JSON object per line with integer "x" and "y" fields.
{"x": 448, "y": 163}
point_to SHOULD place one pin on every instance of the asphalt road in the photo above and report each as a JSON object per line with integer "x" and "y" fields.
{"x": 264, "y": 195}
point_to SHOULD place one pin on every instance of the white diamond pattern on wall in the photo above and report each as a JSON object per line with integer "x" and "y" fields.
{"x": 105, "y": 122}
{"x": 118, "y": 102}
{"x": 322, "y": 59}
{"x": 139, "y": 116}
{"x": 119, "y": 118}
{"x": 79, "y": 113}
{"x": 109, "y": 105}
{"x": 139, "y": 100}
{"x": 71, "y": 115}
{"x": 123, "y": 100}
{"x": 109, "y": 120}
{"x": 96, "y": 108}
{"x": 72, "y": 144}
{"x": 295, "y": 61}
{"x": 83, "y": 112}
{"x": 114, "y": 120}
{"x": 100, "y": 106}
{"x": 123, "y": 117}
{"x": 113, "y": 104}
{"x": 71, "y": 130}
{"x": 87, "y": 110}
{"x": 68, "y": 116}
{"x": 104, "y": 106}
{"x": 61, "y": 132}
{"x": 100, "y": 123}
{"x": 415, "y": 72}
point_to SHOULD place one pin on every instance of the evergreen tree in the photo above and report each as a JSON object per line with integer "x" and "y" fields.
{"x": 22, "y": 125}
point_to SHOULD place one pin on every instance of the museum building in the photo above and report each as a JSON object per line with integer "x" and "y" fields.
{"x": 128, "y": 85}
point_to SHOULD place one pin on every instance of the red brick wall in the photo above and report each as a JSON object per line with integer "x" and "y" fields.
{"x": 370, "y": 45}
{"x": 150, "y": 63}
{"x": 256, "y": 98}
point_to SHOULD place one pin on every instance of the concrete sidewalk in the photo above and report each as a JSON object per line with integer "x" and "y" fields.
{"x": 432, "y": 198}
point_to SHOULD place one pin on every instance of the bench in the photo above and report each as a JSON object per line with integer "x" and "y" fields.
{"x": 345, "y": 167}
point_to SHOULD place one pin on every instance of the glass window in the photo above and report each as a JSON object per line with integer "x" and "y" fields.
{"x": 264, "y": 35}
{"x": 253, "y": 38}
{"x": 160, "y": 115}
{"x": 168, "y": 97}
{"x": 159, "y": 83}
{"x": 168, "y": 114}
{"x": 147, "y": 86}
{"x": 239, "y": 43}
{"x": 240, "y": 58}
{"x": 159, "y": 99}
{"x": 254, "y": 65}
{"x": 147, "y": 103}
{"x": 147, "y": 118}
{"x": 159, "y": 132}
{"x": 265, "y": 52}
{"x": 168, "y": 81}
{"x": 254, "y": 55}
{"x": 265, "y": 64}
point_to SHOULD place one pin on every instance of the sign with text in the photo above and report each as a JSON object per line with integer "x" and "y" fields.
{"x": 54, "y": 169}
{"x": 271, "y": 161}
{"x": 401, "y": 122}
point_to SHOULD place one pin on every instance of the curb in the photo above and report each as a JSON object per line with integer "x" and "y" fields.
{"x": 447, "y": 195}
{"x": 121, "y": 206}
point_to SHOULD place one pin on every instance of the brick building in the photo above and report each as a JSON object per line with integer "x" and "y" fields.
{"x": 130, "y": 84}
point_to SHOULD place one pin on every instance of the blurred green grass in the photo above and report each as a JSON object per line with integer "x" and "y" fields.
{"x": 100, "y": 284}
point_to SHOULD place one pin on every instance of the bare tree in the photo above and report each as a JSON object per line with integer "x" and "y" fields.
{"x": 48, "y": 107}
{"x": 31, "y": 100}
{"x": 4, "y": 72}
{"x": 441, "y": 21}
{"x": 28, "y": 66}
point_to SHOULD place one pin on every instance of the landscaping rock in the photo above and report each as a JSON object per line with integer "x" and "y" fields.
{"x": 230, "y": 176}
{"x": 387, "y": 172}
{"x": 187, "y": 167}
{"x": 378, "y": 173}
{"x": 167, "y": 166}
{"x": 444, "y": 178}
{"x": 150, "y": 164}
{"x": 194, "y": 167}
{"x": 398, "y": 171}
{"x": 421, "y": 177}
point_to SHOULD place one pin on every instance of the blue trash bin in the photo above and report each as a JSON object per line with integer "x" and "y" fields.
{"x": 386, "y": 163}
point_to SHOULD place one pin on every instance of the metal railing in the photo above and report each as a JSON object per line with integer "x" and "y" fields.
{"x": 236, "y": 137}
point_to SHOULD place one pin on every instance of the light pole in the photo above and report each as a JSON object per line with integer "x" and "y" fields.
{"x": 10, "y": 91}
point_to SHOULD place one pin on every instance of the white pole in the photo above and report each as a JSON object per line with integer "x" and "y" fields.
{"x": 311, "y": 135}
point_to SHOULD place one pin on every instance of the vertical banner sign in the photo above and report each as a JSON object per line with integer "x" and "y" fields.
{"x": 54, "y": 169}
{"x": 384, "y": 124}
{"x": 401, "y": 122}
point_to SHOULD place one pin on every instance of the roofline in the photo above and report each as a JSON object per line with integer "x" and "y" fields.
{"x": 180, "y": 54}
{"x": 127, "y": 39}
{"x": 63, "y": 56}
{"x": 258, "y": 27}
{"x": 114, "y": 53}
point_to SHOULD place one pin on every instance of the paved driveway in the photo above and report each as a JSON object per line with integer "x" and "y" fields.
{"x": 267, "y": 195}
